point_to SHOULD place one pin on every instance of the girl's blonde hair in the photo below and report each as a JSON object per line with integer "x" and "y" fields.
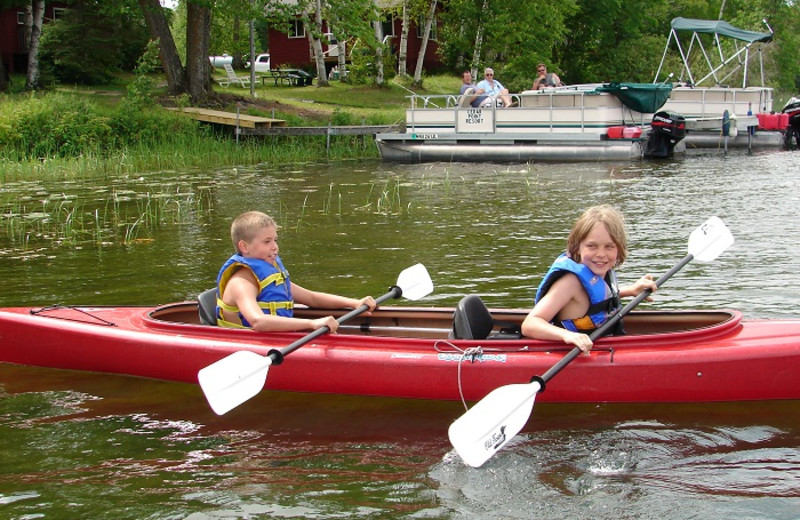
{"x": 247, "y": 225}
{"x": 614, "y": 222}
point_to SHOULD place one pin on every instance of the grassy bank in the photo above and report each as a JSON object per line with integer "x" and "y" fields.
{"x": 67, "y": 132}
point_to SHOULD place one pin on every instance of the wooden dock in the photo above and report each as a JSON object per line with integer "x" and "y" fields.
{"x": 221, "y": 117}
{"x": 247, "y": 125}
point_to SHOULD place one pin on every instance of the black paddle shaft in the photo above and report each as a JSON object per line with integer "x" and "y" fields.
{"x": 602, "y": 329}
{"x": 278, "y": 355}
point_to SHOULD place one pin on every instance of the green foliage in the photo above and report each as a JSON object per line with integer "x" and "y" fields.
{"x": 61, "y": 126}
{"x": 342, "y": 118}
{"x": 140, "y": 90}
{"x": 52, "y": 126}
{"x": 587, "y": 41}
{"x": 91, "y": 42}
{"x": 363, "y": 70}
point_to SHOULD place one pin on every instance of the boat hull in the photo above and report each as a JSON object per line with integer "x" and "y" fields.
{"x": 408, "y": 149}
{"x": 721, "y": 358}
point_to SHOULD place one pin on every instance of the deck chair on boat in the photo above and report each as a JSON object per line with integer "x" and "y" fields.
{"x": 244, "y": 81}
{"x": 207, "y": 306}
{"x": 472, "y": 320}
{"x": 465, "y": 98}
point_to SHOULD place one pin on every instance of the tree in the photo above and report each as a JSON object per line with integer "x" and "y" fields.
{"x": 198, "y": 37}
{"x": 426, "y": 33}
{"x": 156, "y": 19}
{"x": 92, "y": 41}
{"x": 402, "y": 53}
{"x": 34, "y": 17}
{"x": 315, "y": 39}
{"x": 510, "y": 37}
{"x": 195, "y": 77}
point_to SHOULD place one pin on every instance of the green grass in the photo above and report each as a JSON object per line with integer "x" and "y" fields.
{"x": 190, "y": 146}
{"x": 385, "y": 105}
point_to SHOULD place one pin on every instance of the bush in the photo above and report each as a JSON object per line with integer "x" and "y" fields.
{"x": 56, "y": 125}
{"x": 53, "y": 126}
{"x": 133, "y": 126}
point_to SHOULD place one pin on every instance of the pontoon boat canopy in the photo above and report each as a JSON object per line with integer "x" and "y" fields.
{"x": 719, "y": 68}
{"x": 719, "y": 27}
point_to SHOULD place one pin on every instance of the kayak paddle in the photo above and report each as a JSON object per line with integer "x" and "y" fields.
{"x": 486, "y": 427}
{"x": 236, "y": 378}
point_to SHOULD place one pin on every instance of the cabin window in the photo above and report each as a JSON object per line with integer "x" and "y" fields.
{"x": 421, "y": 30}
{"x": 22, "y": 42}
{"x": 59, "y": 13}
{"x": 297, "y": 29}
{"x": 388, "y": 26}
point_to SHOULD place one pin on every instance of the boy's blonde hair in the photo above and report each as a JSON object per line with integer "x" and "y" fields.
{"x": 614, "y": 222}
{"x": 247, "y": 225}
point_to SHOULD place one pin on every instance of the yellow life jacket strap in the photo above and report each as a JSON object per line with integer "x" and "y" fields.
{"x": 276, "y": 278}
{"x": 272, "y": 307}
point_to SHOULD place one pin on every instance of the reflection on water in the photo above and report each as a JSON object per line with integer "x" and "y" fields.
{"x": 85, "y": 445}
{"x": 94, "y": 446}
{"x": 490, "y": 229}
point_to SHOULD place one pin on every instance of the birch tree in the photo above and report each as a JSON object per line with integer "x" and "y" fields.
{"x": 402, "y": 53}
{"x": 34, "y": 17}
{"x": 426, "y": 34}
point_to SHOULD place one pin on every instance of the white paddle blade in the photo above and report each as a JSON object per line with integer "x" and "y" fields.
{"x": 233, "y": 379}
{"x": 710, "y": 240}
{"x": 415, "y": 282}
{"x": 494, "y": 420}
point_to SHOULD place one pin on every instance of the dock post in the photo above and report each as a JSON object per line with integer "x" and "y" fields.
{"x": 328, "y": 140}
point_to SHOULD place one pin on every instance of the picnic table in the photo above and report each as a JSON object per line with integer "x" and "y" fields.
{"x": 293, "y": 77}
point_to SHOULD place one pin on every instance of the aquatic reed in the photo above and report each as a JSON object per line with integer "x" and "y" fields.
{"x": 122, "y": 217}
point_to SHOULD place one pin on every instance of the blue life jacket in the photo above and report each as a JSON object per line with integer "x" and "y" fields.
{"x": 274, "y": 296}
{"x": 603, "y": 295}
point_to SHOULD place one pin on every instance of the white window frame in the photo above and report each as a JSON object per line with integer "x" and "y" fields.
{"x": 297, "y": 28}
{"x": 434, "y": 30}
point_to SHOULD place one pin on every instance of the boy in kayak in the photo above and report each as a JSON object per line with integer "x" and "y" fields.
{"x": 579, "y": 292}
{"x": 254, "y": 289}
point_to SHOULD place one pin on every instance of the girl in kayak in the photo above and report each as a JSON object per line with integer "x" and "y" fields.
{"x": 579, "y": 292}
{"x": 254, "y": 289}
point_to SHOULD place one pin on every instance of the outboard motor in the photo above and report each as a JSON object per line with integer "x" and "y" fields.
{"x": 791, "y": 136}
{"x": 666, "y": 130}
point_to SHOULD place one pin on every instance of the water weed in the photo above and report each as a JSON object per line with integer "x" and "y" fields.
{"x": 122, "y": 217}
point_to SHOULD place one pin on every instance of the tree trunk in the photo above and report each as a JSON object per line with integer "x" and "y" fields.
{"x": 376, "y": 25}
{"x": 477, "y": 49}
{"x": 342, "y": 48}
{"x": 424, "y": 45}
{"x": 316, "y": 45}
{"x": 37, "y": 18}
{"x": 402, "y": 54}
{"x": 198, "y": 34}
{"x": 238, "y": 63}
{"x": 167, "y": 51}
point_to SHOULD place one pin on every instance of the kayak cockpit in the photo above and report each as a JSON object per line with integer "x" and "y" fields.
{"x": 437, "y": 322}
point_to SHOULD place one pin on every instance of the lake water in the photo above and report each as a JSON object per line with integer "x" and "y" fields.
{"x": 79, "y": 445}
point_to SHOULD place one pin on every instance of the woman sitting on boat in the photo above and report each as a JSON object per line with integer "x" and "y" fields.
{"x": 579, "y": 292}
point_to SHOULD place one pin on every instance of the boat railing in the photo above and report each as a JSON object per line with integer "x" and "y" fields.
{"x": 713, "y": 101}
{"x": 581, "y": 107}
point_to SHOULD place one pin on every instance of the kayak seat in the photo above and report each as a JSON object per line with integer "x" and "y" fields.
{"x": 472, "y": 320}
{"x": 207, "y": 306}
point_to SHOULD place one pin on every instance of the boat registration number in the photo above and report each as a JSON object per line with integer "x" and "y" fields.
{"x": 426, "y": 136}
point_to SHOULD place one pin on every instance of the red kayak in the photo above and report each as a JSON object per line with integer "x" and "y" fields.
{"x": 686, "y": 356}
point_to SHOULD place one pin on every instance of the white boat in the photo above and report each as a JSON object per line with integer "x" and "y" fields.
{"x": 713, "y": 91}
{"x": 576, "y": 123}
